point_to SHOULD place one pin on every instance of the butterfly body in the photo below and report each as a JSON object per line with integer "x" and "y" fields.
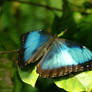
{"x": 59, "y": 56}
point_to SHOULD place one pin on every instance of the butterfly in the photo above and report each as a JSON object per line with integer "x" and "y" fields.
{"x": 58, "y": 57}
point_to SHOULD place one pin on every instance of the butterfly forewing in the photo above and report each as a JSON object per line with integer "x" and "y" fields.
{"x": 32, "y": 46}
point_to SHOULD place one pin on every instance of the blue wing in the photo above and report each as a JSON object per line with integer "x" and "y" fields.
{"x": 64, "y": 53}
{"x": 31, "y": 42}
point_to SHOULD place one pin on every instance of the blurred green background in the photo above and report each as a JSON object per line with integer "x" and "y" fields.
{"x": 17, "y": 18}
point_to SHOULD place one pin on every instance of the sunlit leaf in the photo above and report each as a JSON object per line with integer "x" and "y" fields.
{"x": 29, "y": 76}
{"x": 78, "y": 83}
{"x": 77, "y": 17}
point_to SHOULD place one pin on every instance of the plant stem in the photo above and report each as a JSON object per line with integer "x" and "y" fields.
{"x": 37, "y": 4}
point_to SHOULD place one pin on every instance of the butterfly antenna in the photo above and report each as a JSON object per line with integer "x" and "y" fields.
{"x": 62, "y": 33}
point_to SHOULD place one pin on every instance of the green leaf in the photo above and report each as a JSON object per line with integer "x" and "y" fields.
{"x": 78, "y": 83}
{"x": 29, "y": 77}
{"x": 57, "y": 4}
{"x": 41, "y": 18}
{"x": 77, "y": 17}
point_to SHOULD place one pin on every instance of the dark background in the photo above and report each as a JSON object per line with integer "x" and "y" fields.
{"x": 18, "y": 17}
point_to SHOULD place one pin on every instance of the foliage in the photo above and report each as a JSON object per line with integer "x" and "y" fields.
{"x": 29, "y": 77}
{"x": 17, "y": 18}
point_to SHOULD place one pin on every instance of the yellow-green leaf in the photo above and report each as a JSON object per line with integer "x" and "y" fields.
{"x": 78, "y": 83}
{"x": 29, "y": 76}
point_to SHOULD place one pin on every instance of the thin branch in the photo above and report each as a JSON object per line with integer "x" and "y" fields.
{"x": 37, "y": 4}
{"x": 79, "y": 8}
{"x": 9, "y": 52}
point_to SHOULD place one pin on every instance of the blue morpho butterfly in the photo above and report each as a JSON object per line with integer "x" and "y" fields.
{"x": 59, "y": 57}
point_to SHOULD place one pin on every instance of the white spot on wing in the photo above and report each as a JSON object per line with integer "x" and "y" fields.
{"x": 67, "y": 58}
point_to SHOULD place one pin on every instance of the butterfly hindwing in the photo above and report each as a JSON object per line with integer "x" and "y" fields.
{"x": 64, "y": 57}
{"x": 30, "y": 44}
